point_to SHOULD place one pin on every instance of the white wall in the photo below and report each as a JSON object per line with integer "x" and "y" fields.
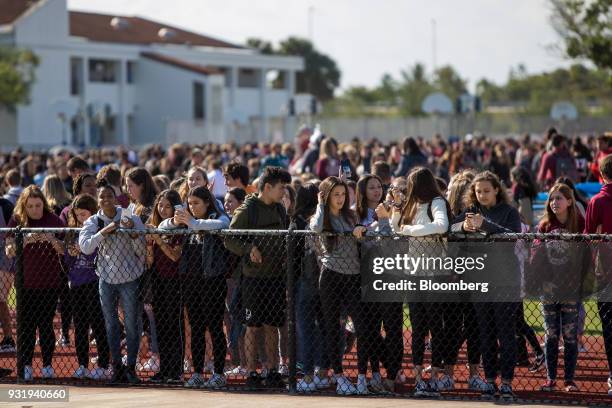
{"x": 164, "y": 93}
{"x": 8, "y": 129}
{"x": 44, "y": 23}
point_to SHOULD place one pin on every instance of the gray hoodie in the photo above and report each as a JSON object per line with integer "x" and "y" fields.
{"x": 120, "y": 258}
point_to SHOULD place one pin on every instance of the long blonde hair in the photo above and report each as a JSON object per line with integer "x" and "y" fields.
{"x": 55, "y": 192}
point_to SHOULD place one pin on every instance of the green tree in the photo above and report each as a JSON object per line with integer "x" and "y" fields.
{"x": 414, "y": 87}
{"x": 264, "y": 47}
{"x": 17, "y": 69}
{"x": 585, "y": 28}
{"x": 448, "y": 81}
{"x": 321, "y": 75}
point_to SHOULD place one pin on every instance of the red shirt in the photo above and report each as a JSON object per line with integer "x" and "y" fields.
{"x": 166, "y": 268}
{"x": 599, "y": 212}
{"x": 595, "y": 165}
{"x": 42, "y": 265}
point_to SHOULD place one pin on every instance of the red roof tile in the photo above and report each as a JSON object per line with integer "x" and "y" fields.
{"x": 164, "y": 59}
{"x": 10, "y": 10}
{"x": 97, "y": 27}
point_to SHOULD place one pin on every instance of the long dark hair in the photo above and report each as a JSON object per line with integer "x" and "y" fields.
{"x": 361, "y": 194}
{"x": 326, "y": 188}
{"x": 205, "y": 195}
{"x": 141, "y": 177}
{"x": 523, "y": 179}
{"x": 172, "y": 196}
{"x": 422, "y": 188}
{"x": 306, "y": 200}
{"x": 81, "y": 202}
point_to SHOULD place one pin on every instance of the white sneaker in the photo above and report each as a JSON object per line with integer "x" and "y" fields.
{"x": 283, "y": 370}
{"x": 362, "y": 386}
{"x": 306, "y": 386}
{"x": 124, "y": 361}
{"x": 47, "y": 372}
{"x": 475, "y": 383}
{"x": 237, "y": 371}
{"x": 216, "y": 381}
{"x": 27, "y": 373}
{"x": 321, "y": 382}
{"x": 344, "y": 386}
{"x": 187, "y": 366}
{"x": 609, "y": 385}
{"x": 100, "y": 373}
{"x": 196, "y": 381}
{"x": 81, "y": 372}
{"x": 152, "y": 364}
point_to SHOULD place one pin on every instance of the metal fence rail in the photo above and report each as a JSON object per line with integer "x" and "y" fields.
{"x": 302, "y": 312}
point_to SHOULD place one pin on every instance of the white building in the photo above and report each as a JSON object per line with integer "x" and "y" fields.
{"x": 107, "y": 79}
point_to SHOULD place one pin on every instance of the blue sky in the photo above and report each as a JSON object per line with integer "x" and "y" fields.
{"x": 480, "y": 38}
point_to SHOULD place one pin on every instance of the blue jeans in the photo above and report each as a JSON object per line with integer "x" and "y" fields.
{"x": 109, "y": 298}
{"x": 311, "y": 345}
{"x": 561, "y": 319}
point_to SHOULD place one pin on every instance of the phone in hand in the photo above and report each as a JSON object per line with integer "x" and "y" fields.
{"x": 345, "y": 166}
{"x": 126, "y": 215}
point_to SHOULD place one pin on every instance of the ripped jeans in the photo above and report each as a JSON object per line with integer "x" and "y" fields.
{"x": 561, "y": 319}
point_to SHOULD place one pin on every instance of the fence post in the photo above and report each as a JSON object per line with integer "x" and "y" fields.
{"x": 19, "y": 298}
{"x": 291, "y": 346}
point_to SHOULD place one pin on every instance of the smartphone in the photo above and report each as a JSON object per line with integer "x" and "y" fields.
{"x": 345, "y": 165}
{"x": 179, "y": 207}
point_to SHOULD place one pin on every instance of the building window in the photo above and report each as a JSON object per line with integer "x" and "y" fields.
{"x": 102, "y": 71}
{"x": 76, "y": 76}
{"x": 198, "y": 100}
{"x": 248, "y": 78}
{"x": 130, "y": 72}
{"x": 276, "y": 79}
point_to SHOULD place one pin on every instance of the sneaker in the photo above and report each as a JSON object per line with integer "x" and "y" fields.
{"x": 131, "y": 376}
{"x": 609, "y": 386}
{"x": 216, "y": 381}
{"x": 376, "y": 384}
{"x": 570, "y": 386}
{"x": 475, "y": 383}
{"x": 488, "y": 391}
{"x": 505, "y": 392}
{"x": 47, "y": 372}
{"x": 538, "y": 363}
{"x": 274, "y": 380}
{"x": 119, "y": 375}
{"x": 427, "y": 369}
{"x": 432, "y": 388}
{"x": 549, "y": 385}
{"x": 178, "y": 380}
{"x": 445, "y": 383}
{"x": 152, "y": 364}
{"x": 254, "y": 381}
{"x": 7, "y": 345}
{"x": 100, "y": 373}
{"x": 187, "y": 367}
{"x": 196, "y": 381}
{"x": 362, "y": 385}
{"x": 321, "y": 382}
{"x": 283, "y": 369}
{"x": 305, "y": 385}
{"x": 27, "y": 373}
{"x": 344, "y": 386}
{"x": 237, "y": 371}
{"x": 81, "y": 372}
{"x": 158, "y": 378}
{"x": 420, "y": 389}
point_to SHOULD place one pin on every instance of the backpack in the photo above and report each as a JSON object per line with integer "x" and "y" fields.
{"x": 565, "y": 166}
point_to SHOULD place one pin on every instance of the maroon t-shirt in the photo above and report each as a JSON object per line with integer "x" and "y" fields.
{"x": 42, "y": 266}
{"x": 123, "y": 200}
{"x": 166, "y": 268}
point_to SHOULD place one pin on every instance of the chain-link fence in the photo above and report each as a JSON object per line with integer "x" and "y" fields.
{"x": 456, "y": 316}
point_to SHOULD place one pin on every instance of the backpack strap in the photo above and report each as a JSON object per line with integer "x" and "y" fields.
{"x": 100, "y": 224}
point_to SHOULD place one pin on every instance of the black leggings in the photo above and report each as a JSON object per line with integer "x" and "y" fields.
{"x": 525, "y": 332}
{"x": 65, "y": 308}
{"x": 39, "y": 310}
{"x": 169, "y": 323}
{"x": 497, "y": 338}
{"x": 88, "y": 313}
{"x": 205, "y": 302}
{"x": 338, "y": 290}
{"x": 389, "y": 349}
{"x": 427, "y": 318}
{"x": 461, "y": 324}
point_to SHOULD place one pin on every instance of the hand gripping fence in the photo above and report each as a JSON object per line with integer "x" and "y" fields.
{"x": 293, "y": 311}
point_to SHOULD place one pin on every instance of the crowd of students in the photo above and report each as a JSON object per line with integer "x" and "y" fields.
{"x": 159, "y": 295}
